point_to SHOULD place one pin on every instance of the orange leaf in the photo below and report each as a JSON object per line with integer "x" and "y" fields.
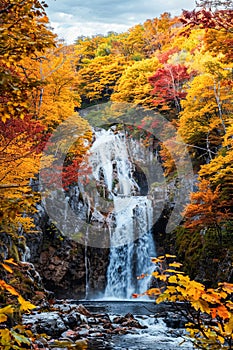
{"x": 7, "y": 268}
{"x": 134, "y": 295}
{"x": 9, "y": 288}
{"x": 10, "y": 261}
{"x": 153, "y": 291}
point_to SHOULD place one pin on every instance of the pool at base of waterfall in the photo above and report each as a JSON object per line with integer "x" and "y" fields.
{"x": 157, "y": 336}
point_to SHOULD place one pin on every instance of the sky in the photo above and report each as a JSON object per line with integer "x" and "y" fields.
{"x": 72, "y": 18}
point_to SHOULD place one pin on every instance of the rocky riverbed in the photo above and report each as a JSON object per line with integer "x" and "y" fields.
{"x": 119, "y": 325}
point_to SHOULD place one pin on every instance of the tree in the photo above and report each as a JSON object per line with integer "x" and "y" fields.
{"x": 217, "y": 23}
{"x": 21, "y": 135}
{"x": 15, "y": 336}
{"x": 159, "y": 33}
{"x": 219, "y": 171}
{"x": 208, "y": 312}
{"x": 168, "y": 86}
{"x": 207, "y": 209}
{"x": 206, "y": 111}
{"x": 209, "y": 16}
{"x": 97, "y": 79}
{"x": 19, "y": 39}
{"x": 54, "y": 98}
{"x": 133, "y": 85}
{"x": 36, "y": 95}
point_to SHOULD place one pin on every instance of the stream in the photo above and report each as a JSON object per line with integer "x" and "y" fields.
{"x": 108, "y": 325}
{"x": 156, "y": 337}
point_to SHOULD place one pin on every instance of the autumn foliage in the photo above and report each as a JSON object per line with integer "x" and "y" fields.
{"x": 37, "y": 92}
{"x": 180, "y": 67}
{"x": 208, "y": 312}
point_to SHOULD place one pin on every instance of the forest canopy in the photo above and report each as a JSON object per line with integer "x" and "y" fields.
{"x": 180, "y": 67}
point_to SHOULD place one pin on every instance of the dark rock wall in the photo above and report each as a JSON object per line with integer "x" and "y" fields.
{"x": 66, "y": 267}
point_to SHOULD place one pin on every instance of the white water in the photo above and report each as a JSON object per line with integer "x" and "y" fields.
{"x": 129, "y": 221}
{"x": 156, "y": 336}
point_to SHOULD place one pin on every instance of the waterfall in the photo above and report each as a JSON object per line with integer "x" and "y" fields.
{"x": 87, "y": 263}
{"x": 130, "y": 260}
{"x": 129, "y": 220}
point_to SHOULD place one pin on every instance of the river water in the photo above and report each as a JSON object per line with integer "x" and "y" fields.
{"x": 158, "y": 336}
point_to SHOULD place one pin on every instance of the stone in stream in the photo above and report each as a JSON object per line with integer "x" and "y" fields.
{"x": 70, "y": 334}
{"x": 73, "y": 319}
{"x": 50, "y": 323}
{"x": 82, "y": 310}
{"x": 68, "y": 329}
{"x": 128, "y": 321}
{"x": 83, "y": 333}
{"x": 175, "y": 321}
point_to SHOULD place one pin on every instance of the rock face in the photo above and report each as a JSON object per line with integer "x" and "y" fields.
{"x": 66, "y": 267}
{"x": 62, "y": 264}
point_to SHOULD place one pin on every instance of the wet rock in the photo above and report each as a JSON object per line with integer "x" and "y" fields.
{"x": 128, "y": 321}
{"x": 82, "y": 310}
{"x": 108, "y": 325}
{"x": 120, "y": 330}
{"x": 92, "y": 321}
{"x": 174, "y": 321}
{"x": 73, "y": 319}
{"x": 83, "y": 333}
{"x": 96, "y": 329}
{"x": 133, "y": 324}
{"x": 104, "y": 318}
{"x": 64, "y": 307}
{"x": 98, "y": 335}
{"x": 49, "y": 323}
{"x": 41, "y": 342}
{"x": 70, "y": 334}
{"x": 61, "y": 262}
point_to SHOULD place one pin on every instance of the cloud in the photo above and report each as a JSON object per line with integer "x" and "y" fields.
{"x": 72, "y": 18}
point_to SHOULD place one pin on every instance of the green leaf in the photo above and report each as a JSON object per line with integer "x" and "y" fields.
{"x": 19, "y": 338}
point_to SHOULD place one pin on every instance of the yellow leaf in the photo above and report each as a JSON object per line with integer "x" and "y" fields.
{"x": 7, "y": 310}
{"x": 175, "y": 264}
{"x": 229, "y": 325}
{"x": 4, "y": 312}
{"x": 172, "y": 279}
{"x": 25, "y": 305}
{"x": 201, "y": 305}
{"x": 162, "y": 277}
{"x": 221, "y": 339}
{"x": 3, "y": 318}
{"x": 5, "y": 336}
{"x": 155, "y": 274}
{"x": 7, "y": 268}
{"x": 170, "y": 270}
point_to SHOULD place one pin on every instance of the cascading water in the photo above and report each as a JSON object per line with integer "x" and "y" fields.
{"x": 129, "y": 221}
